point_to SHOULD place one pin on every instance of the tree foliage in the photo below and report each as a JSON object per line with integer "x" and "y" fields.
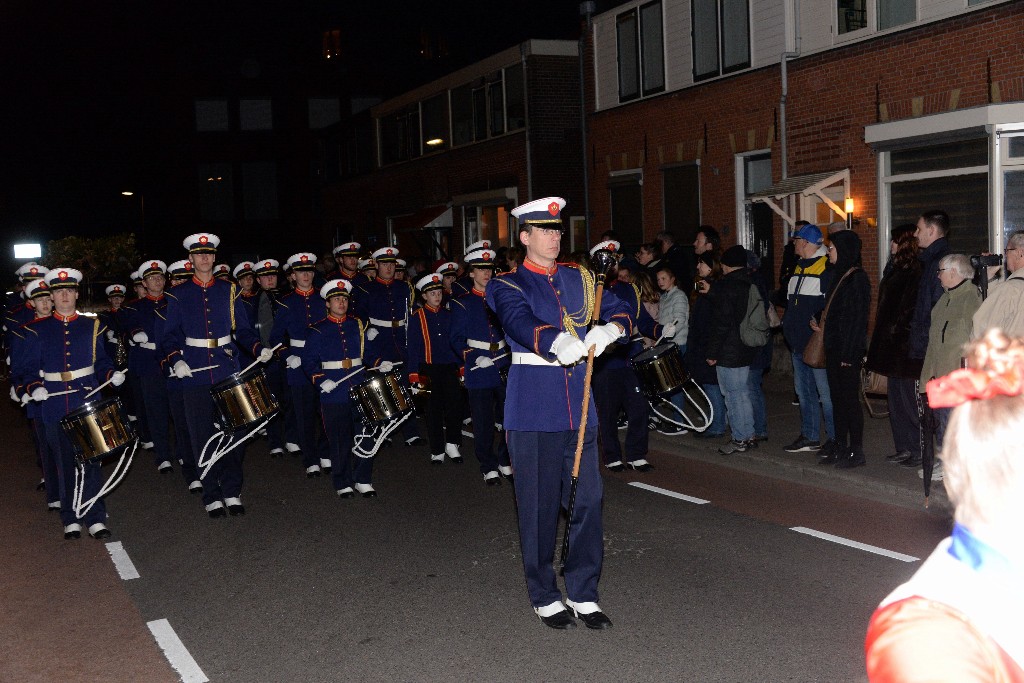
{"x": 111, "y": 258}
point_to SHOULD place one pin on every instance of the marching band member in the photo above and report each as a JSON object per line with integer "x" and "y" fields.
{"x": 384, "y": 304}
{"x": 140, "y": 325}
{"x": 283, "y": 432}
{"x": 448, "y": 272}
{"x": 23, "y": 312}
{"x": 433, "y": 363}
{"x": 179, "y": 272}
{"x": 110, "y": 317}
{"x": 130, "y": 395}
{"x": 332, "y": 357}
{"x": 464, "y": 283}
{"x": 202, "y": 313}
{"x": 65, "y": 352}
{"x": 138, "y": 285}
{"x": 543, "y": 307}
{"x": 346, "y": 256}
{"x": 367, "y": 271}
{"x": 296, "y": 312}
{"x": 37, "y": 296}
{"x": 401, "y": 273}
{"x": 616, "y": 387}
{"x": 479, "y": 342}
{"x": 222, "y": 271}
{"x": 245, "y": 275}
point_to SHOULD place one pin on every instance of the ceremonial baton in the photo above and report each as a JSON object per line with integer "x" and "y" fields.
{"x": 583, "y": 426}
{"x": 253, "y": 364}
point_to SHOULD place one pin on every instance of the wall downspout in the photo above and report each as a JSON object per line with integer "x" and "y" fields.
{"x": 586, "y": 10}
{"x": 526, "y": 116}
{"x": 783, "y": 143}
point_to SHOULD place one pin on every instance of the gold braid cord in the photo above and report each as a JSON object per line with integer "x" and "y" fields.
{"x": 581, "y": 318}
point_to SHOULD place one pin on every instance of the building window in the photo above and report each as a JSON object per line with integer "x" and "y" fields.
{"x": 629, "y": 56}
{"x": 896, "y": 13}
{"x": 624, "y": 190}
{"x": 212, "y": 116}
{"x": 462, "y": 115}
{"x": 721, "y": 37}
{"x": 435, "y": 123}
{"x": 851, "y": 15}
{"x": 400, "y": 135}
{"x": 479, "y": 113}
{"x": 323, "y": 112}
{"x": 496, "y": 101}
{"x": 255, "y": 115}
{"x": 652, "y": 49}
{"x": 216, "y": 193}
{"x": 331, "y": 48}
{"x": 515, "y": 98}
{"x": 641, "y": 52}
{"x": 681, "y": 199}
{"x": 259, "y": 190}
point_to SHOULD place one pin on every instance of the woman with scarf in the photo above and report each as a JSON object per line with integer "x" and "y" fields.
{"x": 846, "y": 330}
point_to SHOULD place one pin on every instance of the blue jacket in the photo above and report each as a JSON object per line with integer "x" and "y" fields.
{"x": 296, "y": 312}
{"x": 332, "y": 340}
{"x": 619, "y": 355}
{"x": 386, "y": 302}
{"x": 430, "y": 331}
{"x": 473, "y": 322}
{"x": 805, "y": 298}
{"x": 535, "y": 305}
{"x": 144, "y": 359}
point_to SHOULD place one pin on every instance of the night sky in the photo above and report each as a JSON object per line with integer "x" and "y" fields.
{"x": 87, "y": 87}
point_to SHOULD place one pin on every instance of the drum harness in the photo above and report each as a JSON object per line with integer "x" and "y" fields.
{"x": 379, "y": 433}
{"x": 124, "y": 462}
{"x": 679, "y": 417}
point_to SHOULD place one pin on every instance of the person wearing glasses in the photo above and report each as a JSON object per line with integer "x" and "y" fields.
{"x": 1003, "y": 308}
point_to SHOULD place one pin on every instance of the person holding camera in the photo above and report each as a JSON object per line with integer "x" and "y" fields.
{"x": 1003, "y": 308}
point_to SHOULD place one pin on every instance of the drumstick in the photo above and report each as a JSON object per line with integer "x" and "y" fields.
{"x": 662, "y": 338}
{"x": 359, "y": 369}
{"x": 253, "y": 364}
{"x": 98, "y": 388}
{"x": 54, "y": 393}
{"x": 208, "y": 367}
{"x": 477, "y": 367}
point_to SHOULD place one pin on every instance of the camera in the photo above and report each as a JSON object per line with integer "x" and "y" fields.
{"x": 979, "y": 261}
{"x": 699, "y": 285}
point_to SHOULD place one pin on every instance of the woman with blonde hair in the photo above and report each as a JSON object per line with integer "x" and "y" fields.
{"x": 958, "y": 618}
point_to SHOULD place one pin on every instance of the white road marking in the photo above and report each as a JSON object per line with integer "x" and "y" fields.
{"x": 855, "y": 544}
{"x": 670, "y": 494}
{"x": 176, "y": 653}
{"x": 124, "y": 565}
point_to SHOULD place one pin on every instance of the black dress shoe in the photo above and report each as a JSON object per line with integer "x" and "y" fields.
{"x": 827, "y": 459}
{"x": 72, "y": 531}
{"x": 559, "y": 620}
{"x": 851, "y": 460}
{"x": 596, "y": 620}
{"x": 101, "y": 534}
{"x": 898, "y": 457}
{"x": 218, "y": 513}
{"x": 913, "y": 462}
{"x": 236, "y": 510}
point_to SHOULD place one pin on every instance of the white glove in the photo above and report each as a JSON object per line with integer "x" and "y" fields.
{"x": 328, "y": 385}
{"x": 265, "y": 356}
{"x": 601, "y": 336}
{"x": 14, "y": 394}
{"x": 386, "y": 366}
{"x": 40, "y": 394}
{"x": 140, "y": 337}
{"x": 117, "y": 379}
{"x": 371, "y": 334}
{"x": 293, "y": 362}
{"x": 415, "y": 388}
{"x": 484, "y": 361}
{"x": 669, "y": 330}
{"x": 111, "y": 337}
{"x": 182, "y": 370}
{"x": 568, "y": 348}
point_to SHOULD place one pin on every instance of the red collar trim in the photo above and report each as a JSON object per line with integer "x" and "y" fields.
{"x": 308, "y": 292}
{"x": 202, "y": 284}
{"x": 346, "y": 274}
{"x": 337, "y": 320}
{"x": 154, "y": 298}
{"x": 476, "y": 291}
{"x": 539, "y": 269}
{"x": 384, "y": 282}
{"x": 64, "y": 319}
{"x": 249, "y": 295}
{"x": 431, "y": 308}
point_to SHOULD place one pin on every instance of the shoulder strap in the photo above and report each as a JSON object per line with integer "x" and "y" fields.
{"x": 824, "y": 313}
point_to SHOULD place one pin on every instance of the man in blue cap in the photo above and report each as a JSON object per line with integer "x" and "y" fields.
{"x": 545, "y": 309}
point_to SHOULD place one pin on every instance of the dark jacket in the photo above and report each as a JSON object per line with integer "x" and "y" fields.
{"x": 928, "y": 292}
{"x": 679, "y": 260}
{"x": 697, "y": 342}
{"x": 729, "y": 297}
{"x": 889, "y": 352}
{"x": 848, "y": 302}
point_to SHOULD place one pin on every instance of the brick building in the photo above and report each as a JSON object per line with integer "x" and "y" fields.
{"x": 451, "y": 158}
{"x": 899, "y": 105}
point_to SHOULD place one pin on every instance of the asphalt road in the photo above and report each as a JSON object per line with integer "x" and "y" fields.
{"x": 425, "y": 582}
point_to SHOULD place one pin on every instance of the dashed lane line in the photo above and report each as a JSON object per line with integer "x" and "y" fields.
{"x": 176, "y": 652}
{"x": 855, "y": 544}
{"x": 670, "y": 494}
{"x": 124, "y": 565}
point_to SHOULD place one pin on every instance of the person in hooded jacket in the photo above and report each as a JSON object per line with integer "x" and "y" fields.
{"x": 846, "y": 328}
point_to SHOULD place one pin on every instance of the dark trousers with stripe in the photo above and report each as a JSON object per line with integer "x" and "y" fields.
{"x": 444, "y": 407}
{"x": 182, "y": 440}
{"x": 224, "y": 480}
{"x": 157, "y": 410}
{"x": 617, "y": 389}
{"x": 543, "y": 464}
{"x": 64, "y": 454}
{"x": 341, "y": 422}
{"x": 488, "y": 406}
{"x": 307, "y": 411}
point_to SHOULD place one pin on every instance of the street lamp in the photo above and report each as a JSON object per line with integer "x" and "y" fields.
{"x": 142, "y": 215}
{"x": 848, "y": 206}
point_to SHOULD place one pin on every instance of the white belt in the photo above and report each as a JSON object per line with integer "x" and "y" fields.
{"x": 341, "y": 364}
{"x": 377, "y": 322}
{"x": 486, "y": 346}
{"x": 68, "y": 376}
{"x": 520, "y": 358}
{"x": 297, "y": 343}
{"x": 148, "y": 345}
{"x": 207, "y": 343}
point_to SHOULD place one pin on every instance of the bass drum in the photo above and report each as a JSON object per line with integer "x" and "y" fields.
{"x": 98, "y": 429}
{"x": 660, "y": 370}
{"x": 243, "y": 400}
{"x": 381, "y": 399}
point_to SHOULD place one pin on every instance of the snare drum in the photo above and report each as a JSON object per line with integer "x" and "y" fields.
{"x": 98, "y": 429}
{"x": 243, "y": 400}
{"x": 660, "y": 370}
{"x": 381, "y": 398}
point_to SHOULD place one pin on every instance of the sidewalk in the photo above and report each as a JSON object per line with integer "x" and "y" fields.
{"x": 878, "y": 480}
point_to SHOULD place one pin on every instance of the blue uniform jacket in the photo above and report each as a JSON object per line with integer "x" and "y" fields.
{"x": 385, "y": 301}
{"x": 58, "y": 344}
{"x": 534, "y": 305}
{"x": 296, "y": 312}
{"x": 332, "y": 340}
{"x": 210, "y": 311}
{"x": 472, "y": 320}
{"x": 144, "y": 359}
{"x": 618, "y": 356}
{"x": 17, "y": 345}
{"x": 430, "y": 339}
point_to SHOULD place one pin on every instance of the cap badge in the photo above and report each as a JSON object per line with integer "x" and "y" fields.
{"x": 487, "y": 257}
{"x": 63, "y": 275}
{"x": 487, "y": 245}
{"x": 266, "y": 264}
{"x": 188, "y": 265}
{"x": 33, "y": 270}
{"x": 435, "y": 279}
{"x": 304, "y": 258}
{"x": 553, "y": 208}
{"x": 389, "y": 252}
{"x": 154, "y": 264}
{"x": 203, "y": 239}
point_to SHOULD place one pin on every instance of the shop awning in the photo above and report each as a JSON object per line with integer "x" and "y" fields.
{"x": 804, "y": 186}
